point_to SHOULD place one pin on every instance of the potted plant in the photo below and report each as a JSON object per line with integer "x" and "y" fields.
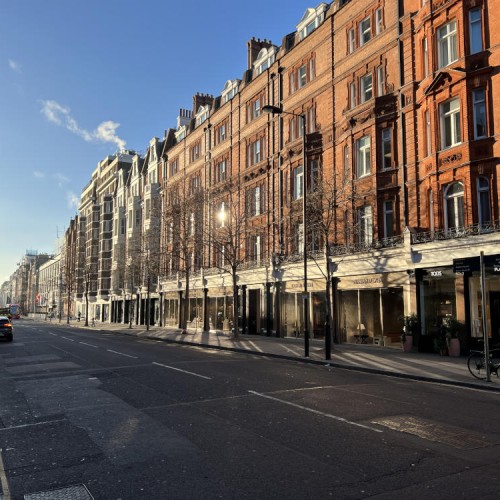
{"x": 410, "y": 328}
{"x": 453, "y": 328}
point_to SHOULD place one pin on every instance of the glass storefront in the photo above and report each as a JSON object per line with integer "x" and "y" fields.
{"x": 437, "y": 298}
{"x": 372, "y": 313}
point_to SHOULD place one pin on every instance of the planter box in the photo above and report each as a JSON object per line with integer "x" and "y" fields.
{"x": 454, "y": 347}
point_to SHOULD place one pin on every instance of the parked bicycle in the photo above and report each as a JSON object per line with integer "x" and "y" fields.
{"x": 477, "y": 366}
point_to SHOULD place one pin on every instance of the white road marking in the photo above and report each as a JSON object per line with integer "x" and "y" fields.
{"x": 183, "y": 371}
{"x": 3, "y": 480}
{"x": 317, "y": 412}
{"x": 71, "y": 340}
{"x": 90, "y": 345}
{"x": 50, "y": 333}
{"x": 121, "y": 354}
{"x": 32, "y": 425}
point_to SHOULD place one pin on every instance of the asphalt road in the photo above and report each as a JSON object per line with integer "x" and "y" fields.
{"x": 124, "y": 418}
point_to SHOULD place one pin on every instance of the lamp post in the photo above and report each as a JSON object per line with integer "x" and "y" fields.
{"x": 276, "y": 110}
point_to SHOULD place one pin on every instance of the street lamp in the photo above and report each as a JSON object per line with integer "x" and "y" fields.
{"x": 276, "y": 110}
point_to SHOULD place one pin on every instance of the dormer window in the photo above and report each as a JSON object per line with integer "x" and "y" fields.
{"x": 202, "y": 115}
{"x": 181, "y": 133}
{"x": 311, "y": 19}
{"x": 230, "y": 90}
{"x": 265, "y": 59}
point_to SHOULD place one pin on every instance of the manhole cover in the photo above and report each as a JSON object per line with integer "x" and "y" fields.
{"x": 78, "y": 492}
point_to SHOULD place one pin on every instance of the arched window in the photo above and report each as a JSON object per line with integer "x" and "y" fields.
{"x": 483, "y": 200}
{"x": 454, "y": 205}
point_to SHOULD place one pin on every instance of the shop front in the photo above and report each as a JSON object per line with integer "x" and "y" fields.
{"x": 371, "y": 307}
{"x": 292, "y": 309}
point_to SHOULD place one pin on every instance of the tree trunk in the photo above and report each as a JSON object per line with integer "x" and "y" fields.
{"x": 236, "y": 329}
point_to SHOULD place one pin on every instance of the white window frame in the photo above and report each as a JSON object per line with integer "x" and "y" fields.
{"x": 352, "y": 40}
{"x": 298, "y": 182}
{"x": 302, "y": 76}
{"x": 366, "y": 84}
{"x": 457, "y": 201}
{"x": 363, "y": 156}
{"x": 447, "y": 44}
{"x": 475, "y": 31}
{"x": 365, "y": 221}
{"x": 479, "y": 108}
{"x": 365, "y": 32}
{"x": 380, "y": 80}
{"x": 352, "y": 95}
{"x": 378, "y": 21}
{"x": 450, "y": 123}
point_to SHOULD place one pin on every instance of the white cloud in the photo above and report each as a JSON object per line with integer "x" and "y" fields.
{"x": 38, "y": 174}
{"x": 14, "y": 65}
{"x": 61, "y": 115}
{"x": 72, "y": 200}
{"x": 61, "y": 179}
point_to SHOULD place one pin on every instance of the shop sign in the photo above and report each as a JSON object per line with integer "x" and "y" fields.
{"x": 385, "y": 280}
{"x": 467, "y": 265}
{"x": 493, "y": 261}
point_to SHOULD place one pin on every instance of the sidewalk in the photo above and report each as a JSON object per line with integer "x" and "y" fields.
{"x": 367, "y": 358}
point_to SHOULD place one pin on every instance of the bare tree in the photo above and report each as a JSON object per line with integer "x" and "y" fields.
{"x": 182, "y": 222}
{"x": 226, "y": 229}
{"x": 330, "y": 198}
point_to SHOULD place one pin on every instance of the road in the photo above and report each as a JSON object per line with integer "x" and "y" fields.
{"x": 118, "y": 417}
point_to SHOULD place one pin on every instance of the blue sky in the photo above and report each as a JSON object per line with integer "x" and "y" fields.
{"x": 79, "y": 79}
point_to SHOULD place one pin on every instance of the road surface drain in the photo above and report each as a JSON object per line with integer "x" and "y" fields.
{"x": 78, "y": 492}
{"x": 432, "y": 431}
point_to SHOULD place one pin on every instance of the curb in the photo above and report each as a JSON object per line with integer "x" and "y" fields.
{"x": 325, "y": 363}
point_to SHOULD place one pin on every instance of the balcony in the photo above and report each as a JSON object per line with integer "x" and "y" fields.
{"x": 455, "y": 233}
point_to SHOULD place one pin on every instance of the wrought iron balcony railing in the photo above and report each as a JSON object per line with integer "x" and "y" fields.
{"x": 455, "y": 233}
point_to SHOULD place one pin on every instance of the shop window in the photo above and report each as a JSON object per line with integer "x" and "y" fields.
{"x": 483, "y": 196}
{"x": 454, "y": 205}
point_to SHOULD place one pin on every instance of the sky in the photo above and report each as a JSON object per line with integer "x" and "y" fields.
{"x": 80, "y": 80}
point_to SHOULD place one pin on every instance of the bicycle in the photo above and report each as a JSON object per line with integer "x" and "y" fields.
{"x": 477, "y": 366}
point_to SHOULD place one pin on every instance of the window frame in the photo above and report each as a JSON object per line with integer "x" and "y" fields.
{"x": 452, "y": 117}
{"x": 483, "y": 200}
{"x": 388, "y": 209}
{"x": 384, "y": 142}
{"x": 363, "y": 156}
{"x": 455, "y": 201}
{"x": 481, "y": 104}
{"x": 476, "y": 38}
{"x": 365, "y": 34}
{"x": 447, "y": 45}
{"x": 366, "y": 87}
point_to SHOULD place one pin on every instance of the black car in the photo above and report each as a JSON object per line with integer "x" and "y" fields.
{"x": 6, "y": 328}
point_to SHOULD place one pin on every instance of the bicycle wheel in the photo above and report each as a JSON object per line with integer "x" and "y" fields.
{"x": 476, "y": 366}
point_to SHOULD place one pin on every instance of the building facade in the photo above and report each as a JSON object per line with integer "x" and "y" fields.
{"x": 375, "y": 170}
